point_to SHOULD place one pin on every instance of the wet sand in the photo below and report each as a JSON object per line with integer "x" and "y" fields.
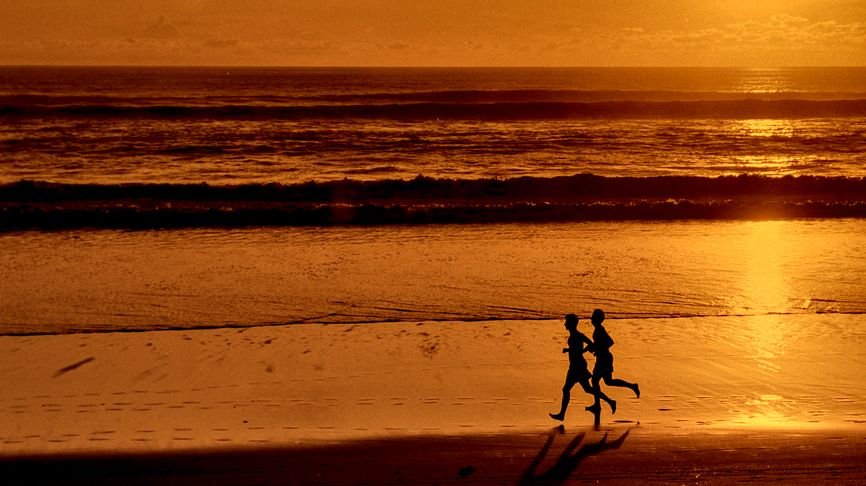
{"x": 619, "y": 456}
{"x": 723, "y": 400}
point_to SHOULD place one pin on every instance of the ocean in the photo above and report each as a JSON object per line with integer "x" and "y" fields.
{"x": 162, "y": 198}
{"x": 291, "y": 125}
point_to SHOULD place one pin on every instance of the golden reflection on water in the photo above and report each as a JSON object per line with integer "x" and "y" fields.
{"x": 771, "y": 165}
{"x": 754, "y": 129}
{"x": 765, "y": 127}
{"x": 762, "y": 254}
{"x": 764, "y": 80}
{"x": 764, "y": 251}
{"x": 769, "y": 411}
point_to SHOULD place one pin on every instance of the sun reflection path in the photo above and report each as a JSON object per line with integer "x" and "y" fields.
{"x": 769, "y": 411}
{"x": 762, "y": 138}
{"x": 761, "y": 127}
{"x": 762, "y": 252}
{"x": 764, "y": 80}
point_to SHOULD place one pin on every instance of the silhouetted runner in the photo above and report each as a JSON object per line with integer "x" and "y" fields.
{"x": 603, "y": 370}
{"x": 578, "y": 372}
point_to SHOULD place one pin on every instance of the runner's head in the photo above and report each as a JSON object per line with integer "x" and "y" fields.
{"x": 570, "y": 322}
{"x": 597, "y": 316}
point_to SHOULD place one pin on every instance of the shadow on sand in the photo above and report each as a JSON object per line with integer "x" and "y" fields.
{"x": 450, "y": 459}
{"x": 573, "y": 454}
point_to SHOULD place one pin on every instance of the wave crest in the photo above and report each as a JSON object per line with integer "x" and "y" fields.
{"x": 424, "y": 200}
{"x": 471, "y": 106}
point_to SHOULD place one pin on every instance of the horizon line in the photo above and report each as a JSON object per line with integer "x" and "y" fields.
{"x": 328, "y": 66}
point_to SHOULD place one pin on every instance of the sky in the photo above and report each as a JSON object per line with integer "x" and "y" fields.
{"x": 755, "y": 33}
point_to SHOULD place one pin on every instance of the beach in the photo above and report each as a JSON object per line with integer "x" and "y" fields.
{"x": 423, "y": 401}
{"x": 293, "y": 275}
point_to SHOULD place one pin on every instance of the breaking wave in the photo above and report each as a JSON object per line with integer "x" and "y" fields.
{"x": 424, "y": 200}
{"x": 472, "y": 105}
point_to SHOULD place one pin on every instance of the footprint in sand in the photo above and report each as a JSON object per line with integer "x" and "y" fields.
{"x": 73, "y": 366}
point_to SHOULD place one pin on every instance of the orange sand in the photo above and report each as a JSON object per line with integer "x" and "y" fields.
{"x": 704, "y": 381}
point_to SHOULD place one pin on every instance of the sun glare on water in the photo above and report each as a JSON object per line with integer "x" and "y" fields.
{"x": 765, "y": 127}
{"x": 762, "y": 253}
{"x": 761, "y": 135}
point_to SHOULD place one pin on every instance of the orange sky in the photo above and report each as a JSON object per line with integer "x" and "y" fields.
{"x": 434, "y": 32}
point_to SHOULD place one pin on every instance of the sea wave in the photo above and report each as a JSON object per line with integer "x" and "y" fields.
{"x": 476, "y": 107}
{"x": 424, "y": 200}
{"x": 571, "y": 95}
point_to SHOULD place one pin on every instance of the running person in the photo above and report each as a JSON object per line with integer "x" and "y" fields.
{"x": 603, "y": 369}
{"x": 578, "y": 372}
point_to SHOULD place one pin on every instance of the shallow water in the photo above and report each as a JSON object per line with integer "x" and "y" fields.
{"x": 107, "y": 280}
